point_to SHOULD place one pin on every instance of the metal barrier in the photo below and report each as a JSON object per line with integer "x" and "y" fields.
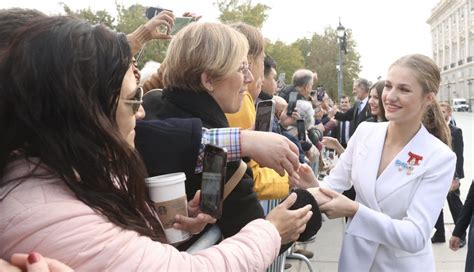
{"x": 278, "y": 264}
{"x": 208, "y": 239}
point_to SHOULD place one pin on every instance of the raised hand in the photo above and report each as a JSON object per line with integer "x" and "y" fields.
{"x": 157, "y": 24}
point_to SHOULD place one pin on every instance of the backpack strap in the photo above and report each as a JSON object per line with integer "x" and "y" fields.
{"x": 236, "y": 177}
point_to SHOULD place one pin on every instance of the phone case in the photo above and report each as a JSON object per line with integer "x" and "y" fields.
{"x": 264, "y": 117}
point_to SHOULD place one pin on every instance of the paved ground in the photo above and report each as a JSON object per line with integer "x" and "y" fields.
{"x": 327, "y": 244}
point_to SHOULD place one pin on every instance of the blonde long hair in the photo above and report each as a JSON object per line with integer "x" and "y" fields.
{"x": 427, "y": 73}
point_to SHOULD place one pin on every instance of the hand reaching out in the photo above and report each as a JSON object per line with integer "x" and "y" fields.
{"x": 196, "y": 220}
{"x": 305, "y": 178}
{"x": 270, "y": 150}
{"x": 339, "y": 205}
{"x": 289, "y": 223}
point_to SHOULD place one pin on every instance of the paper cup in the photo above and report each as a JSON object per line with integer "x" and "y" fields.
{"x": 169, "y": 196}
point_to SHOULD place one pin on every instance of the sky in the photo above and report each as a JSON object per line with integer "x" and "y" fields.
{"x": 384, "y": 30}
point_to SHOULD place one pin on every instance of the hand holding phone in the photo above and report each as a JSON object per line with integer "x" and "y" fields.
{"x": 265, "y": 115}
{"x": 292, "y": 103}
{"x": 301, "y": 130}
{"x": 213, "y": 179}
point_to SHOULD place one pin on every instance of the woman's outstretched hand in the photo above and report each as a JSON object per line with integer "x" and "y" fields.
{"x": 289, "y": 223}
{"x": 338, "y": 206}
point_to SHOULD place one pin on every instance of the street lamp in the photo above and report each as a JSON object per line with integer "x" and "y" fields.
{"x": 341, "y": 41}
{"x": 469, "y": 83}
{"x": 449, "y": 91}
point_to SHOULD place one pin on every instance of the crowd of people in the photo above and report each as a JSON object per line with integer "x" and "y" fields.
{"x": 83, "y": 128}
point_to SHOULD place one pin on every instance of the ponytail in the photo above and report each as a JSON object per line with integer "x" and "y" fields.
{"x": 434, "y": 122}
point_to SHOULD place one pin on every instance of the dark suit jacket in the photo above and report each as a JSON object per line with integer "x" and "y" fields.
{"x": 466, "y": 213}
{"x": 353, "y": 116}
{"x": 458, "y": 148}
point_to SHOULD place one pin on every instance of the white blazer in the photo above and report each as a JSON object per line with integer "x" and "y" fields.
{"x": 392, "y": 227}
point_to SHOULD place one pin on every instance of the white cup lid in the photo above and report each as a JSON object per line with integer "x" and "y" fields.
{"x": 165, "y": 180}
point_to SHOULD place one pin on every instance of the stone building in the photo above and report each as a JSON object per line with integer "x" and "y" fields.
{"x": 452, "y": 30}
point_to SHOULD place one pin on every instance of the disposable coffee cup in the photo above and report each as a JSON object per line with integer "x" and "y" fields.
{"x": 169, "y": 197}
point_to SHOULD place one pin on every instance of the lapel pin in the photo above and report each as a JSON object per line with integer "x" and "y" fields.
{"x": 413, "y": 160}
{"x": 409, "y": 166}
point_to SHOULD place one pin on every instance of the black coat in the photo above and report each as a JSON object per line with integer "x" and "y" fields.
{"x": 353, "y": 116}
{"x": 242, "y": 205}
{"x": 172, "y": 145}
{"x": 466, "y": 213}
{"x": 458, "y": 148}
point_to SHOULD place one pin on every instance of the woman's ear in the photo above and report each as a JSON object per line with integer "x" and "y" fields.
{"x": 429, "y": 99}
{"x": 207, "y": 82}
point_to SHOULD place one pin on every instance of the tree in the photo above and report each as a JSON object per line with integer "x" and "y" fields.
{"x": 128, "y": 20}
{"x": 97, "y": 17}
{"x": 321, "y": 54}
{"x": 233, "y": 11}
{"x": 288, "y": 58}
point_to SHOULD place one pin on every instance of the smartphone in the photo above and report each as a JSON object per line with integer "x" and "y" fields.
{"x": 151, "y": 12}
{"x": 301, "y": 130}
{"x": 180, "y": 23}
{"x": 265, "y": 115}
{"x": 291, "y": 103}
{"x": 213, "y": 179}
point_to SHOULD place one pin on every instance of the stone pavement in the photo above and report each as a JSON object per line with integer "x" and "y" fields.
{"x": 327, "y": 245}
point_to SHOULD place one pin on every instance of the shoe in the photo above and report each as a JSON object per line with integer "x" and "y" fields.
{"x": 462, "y": 243}
{"x": 438, "y": 239}
{"x": 287, "y": 266}
{"x": 308, "y": 254}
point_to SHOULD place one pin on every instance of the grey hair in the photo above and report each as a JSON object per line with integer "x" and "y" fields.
{"x": 302, "y": 77}
{"x": 363, "y": 83}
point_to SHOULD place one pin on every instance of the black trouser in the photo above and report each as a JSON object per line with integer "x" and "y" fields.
{"x": 455, "y": 206}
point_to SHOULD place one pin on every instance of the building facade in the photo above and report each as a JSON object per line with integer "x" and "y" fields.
{"x": 452, "y": 31}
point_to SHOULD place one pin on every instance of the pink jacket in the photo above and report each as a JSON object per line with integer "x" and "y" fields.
{"x": 44, "y": 215}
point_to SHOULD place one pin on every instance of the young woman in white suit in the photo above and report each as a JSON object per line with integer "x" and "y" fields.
{"x": 401, "y": 171}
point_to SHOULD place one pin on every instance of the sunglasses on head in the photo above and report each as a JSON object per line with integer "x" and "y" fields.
{"x": 136, "y": 102}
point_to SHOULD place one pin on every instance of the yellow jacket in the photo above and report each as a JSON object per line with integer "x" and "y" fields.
{"x": 268, "y": 184}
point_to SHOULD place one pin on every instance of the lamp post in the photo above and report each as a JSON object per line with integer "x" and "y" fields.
{"x": 469, "y": 83}
{"x": 341, "y": 41}
{"x": 449, "y": 92}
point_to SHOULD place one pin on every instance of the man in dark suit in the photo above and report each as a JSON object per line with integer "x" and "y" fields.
{"x": 359, "y": 112}
{"x": 454, "y": 201}
{"x": 465, "y": 219}
{"x": 343, "y": 128}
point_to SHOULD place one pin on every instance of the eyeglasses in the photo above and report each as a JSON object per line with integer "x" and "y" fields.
{"x": 244, "y": 67}
{"x": 137, "y": 101}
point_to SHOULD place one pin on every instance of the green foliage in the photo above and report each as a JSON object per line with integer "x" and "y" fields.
{"x": 93, "y": 17}
{"x": 128, "y": 19}
{"x": 320, "y": 54}
{"x": 288, "y": 58}
{"x": 233, "y": 11}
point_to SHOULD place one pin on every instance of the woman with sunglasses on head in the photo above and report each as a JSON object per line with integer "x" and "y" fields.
{"x": 71, "y": 184}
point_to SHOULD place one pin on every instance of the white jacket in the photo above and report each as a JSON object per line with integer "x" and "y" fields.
{"x": 392, "y": 228}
